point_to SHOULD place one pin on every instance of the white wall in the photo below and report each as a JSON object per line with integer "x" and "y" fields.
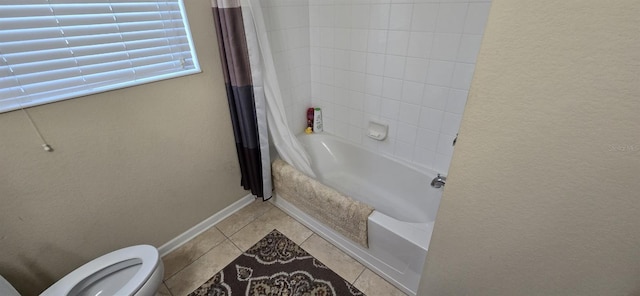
{"x": 287, "y": 24}
{"x": 407, "y": 63}
{"x": 543, "y": 192}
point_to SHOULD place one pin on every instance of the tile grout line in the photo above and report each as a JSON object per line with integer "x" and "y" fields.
{"x": 237, "y": 247}
{"x": 177, "y": 272}
{"x": 306, "y": 239}
{"x": 243, "y": 227}
{"x": 252, "y": 220}
{"x": 216, "y": 226}
{"x": 196, "y": 259}
{"x": 213, "y": 247}
{"x": 359, "y": 275}
{"x": 364, "y": 268}
{"x": 339, "y": 250}
{"x": 167, "y": 287}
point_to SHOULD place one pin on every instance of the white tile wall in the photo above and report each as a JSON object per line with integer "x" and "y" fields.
{"x": 288, "y": 23}
{"x": 407, "y": 63}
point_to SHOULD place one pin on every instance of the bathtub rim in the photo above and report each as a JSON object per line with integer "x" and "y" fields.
{"x": 429, "y": 172}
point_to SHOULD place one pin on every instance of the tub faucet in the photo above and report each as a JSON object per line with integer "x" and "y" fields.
{"x": 438, "y": 181}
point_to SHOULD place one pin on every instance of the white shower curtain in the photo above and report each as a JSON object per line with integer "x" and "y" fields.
{"x": 265, "y": 81}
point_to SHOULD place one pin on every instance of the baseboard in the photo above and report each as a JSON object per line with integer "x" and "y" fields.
{"x": 204, "y": 225}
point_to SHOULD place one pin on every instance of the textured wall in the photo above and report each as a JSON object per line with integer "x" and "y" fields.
{"x": 137, "y": 165}
{"x": 543, "y": 191}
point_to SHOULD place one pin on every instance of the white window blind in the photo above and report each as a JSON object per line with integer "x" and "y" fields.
{"x": 53, "y": 50}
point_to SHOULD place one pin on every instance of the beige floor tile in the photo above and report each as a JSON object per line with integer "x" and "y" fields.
{"x": 244, "y": 216}
{"x": 372, "y": 284}
{"x": 288, "y": 226}
{"x": 334, "y": 258}
{"x": 192, "y": 250}
{"x": 194, "y": 275}
{"x": 251, "y": 234}
{"x": 163, "y": 291}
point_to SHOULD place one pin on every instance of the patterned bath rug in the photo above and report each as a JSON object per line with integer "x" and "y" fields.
{"x": 276, "y": 266}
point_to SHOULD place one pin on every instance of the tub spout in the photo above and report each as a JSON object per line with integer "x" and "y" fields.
{"x": 438, "y": 181}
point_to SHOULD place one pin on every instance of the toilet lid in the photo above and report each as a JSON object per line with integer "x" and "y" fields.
{"x": 146, "y": 255}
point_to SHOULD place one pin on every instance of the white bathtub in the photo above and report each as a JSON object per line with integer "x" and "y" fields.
{"x": 405, "y": 207}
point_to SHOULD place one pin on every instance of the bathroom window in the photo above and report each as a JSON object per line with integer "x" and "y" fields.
{"x": 52, "y": 50}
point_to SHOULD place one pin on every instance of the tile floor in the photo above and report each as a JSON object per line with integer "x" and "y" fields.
{"x": 196, "y": 261}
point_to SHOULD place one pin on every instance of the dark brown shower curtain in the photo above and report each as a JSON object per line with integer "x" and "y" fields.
{"x": 247, "y": 109}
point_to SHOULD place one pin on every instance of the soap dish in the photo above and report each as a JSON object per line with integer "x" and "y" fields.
{"x": 377, "y": 131}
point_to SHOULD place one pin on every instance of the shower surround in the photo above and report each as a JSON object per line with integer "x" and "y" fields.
{"x": 287, "y": 24}
{"x": 407, "y": 63}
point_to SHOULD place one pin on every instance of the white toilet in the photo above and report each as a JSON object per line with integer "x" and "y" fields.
{"x": 136, "y": 270}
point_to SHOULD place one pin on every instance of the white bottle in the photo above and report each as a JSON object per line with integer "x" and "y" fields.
{"x": 317, "y": 120}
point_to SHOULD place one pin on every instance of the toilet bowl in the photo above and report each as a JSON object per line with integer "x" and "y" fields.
{"x": 136, "y": 270}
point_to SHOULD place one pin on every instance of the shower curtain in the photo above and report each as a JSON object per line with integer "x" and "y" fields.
{"x": 253, "y": 92}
